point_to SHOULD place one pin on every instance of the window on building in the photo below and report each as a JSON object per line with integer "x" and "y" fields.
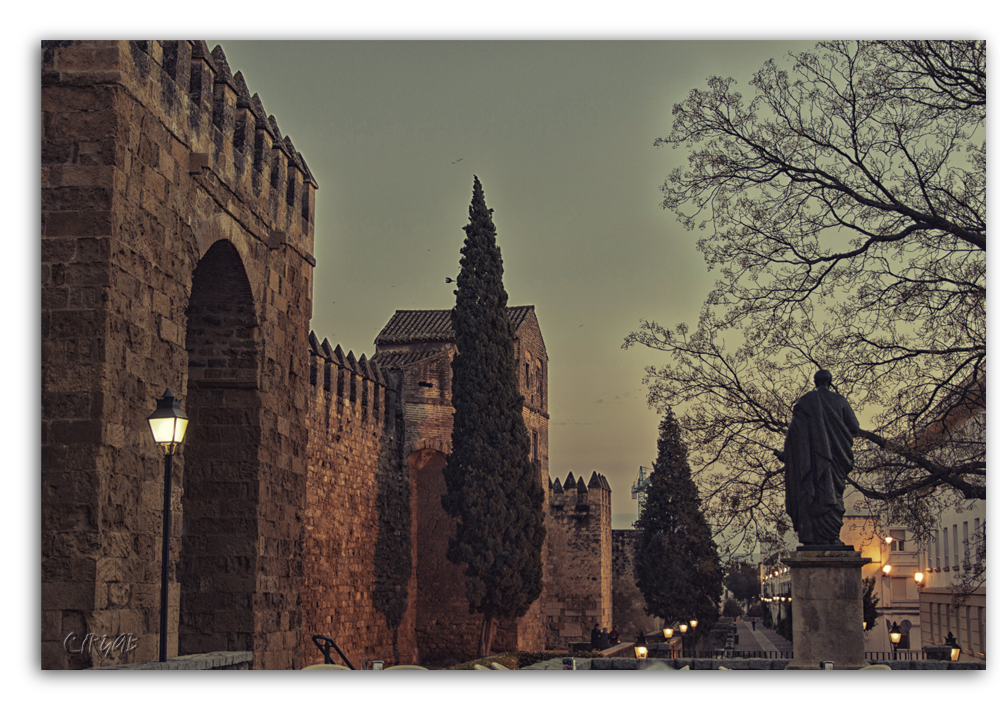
{"x": 898, "y": 588}
{"x": 954, "y": 544}
{"x": 539, "y": 382}
{"x": 981, "y": 631}
{"x": 977, "y": 537}
{"x": 945, "y": 541}
{"x": 968, "y": 627}
{"x": 965, "y": 542}
{"x": 898, "y": 540}
{"x": 904, "y": 635}
{"x": 937, "y": 550}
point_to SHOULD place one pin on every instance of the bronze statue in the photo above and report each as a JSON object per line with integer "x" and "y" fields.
{"x": 817, "y": 459}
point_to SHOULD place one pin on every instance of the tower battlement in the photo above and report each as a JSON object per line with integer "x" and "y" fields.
{"x": 224, "y": 132}
{"x": 575, "y": 494}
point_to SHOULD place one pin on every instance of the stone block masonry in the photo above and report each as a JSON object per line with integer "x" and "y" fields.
{"x": 629, "y": 604}
{"x": 177, "y": 239}
{"x": 578, "y": 576}
{"x": 358, "y": 578}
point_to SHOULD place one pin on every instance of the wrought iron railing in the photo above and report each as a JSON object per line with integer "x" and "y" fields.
{"x": 897, "y": 655}
{"x": 324, "y": 643}
{"x": 720, "y": 653}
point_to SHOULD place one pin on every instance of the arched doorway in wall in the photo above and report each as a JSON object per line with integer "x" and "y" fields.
{"x": 218, "y": 562}
{"x": 445, "y": 631}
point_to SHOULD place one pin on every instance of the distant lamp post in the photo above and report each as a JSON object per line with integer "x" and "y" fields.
{"x": 894, "y": 637}
{"x": 668, "y": 632}
{"x": 956, "y": 651}
{"x": 694, "y": 642}
{"x": 168, "y": 423}
{"x": 919, "y": 577}
{"x": 886, "y": 569}
{"x": 683, "y": 627}
{"x": 640, "y": 648}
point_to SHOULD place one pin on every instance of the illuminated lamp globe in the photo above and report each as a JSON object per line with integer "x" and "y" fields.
{"x": 168, "y": 423}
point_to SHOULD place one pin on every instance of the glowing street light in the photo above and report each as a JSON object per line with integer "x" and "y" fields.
{"x": 168, "y": 424}
{"x": 640, "y": 648}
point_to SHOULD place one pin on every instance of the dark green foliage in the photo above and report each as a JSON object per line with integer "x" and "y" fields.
{"x": 768, "y": 619}
{"x": 676, "y": 562}
{"x": 493, "y": 490}
{"x": 869, "y": 603}
{"x": 732, "y": 608}
{"x": 743, "y": 581}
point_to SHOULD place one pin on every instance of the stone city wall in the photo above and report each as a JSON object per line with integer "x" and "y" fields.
{"x": 154, "y": 156}
{"x": 629, "y": 604}
{"x": 357, "y": 580}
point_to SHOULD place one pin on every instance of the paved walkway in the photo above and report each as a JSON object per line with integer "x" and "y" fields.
{"x": 760, "y": 639}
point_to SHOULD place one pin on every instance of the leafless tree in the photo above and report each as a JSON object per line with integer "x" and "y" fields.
{"x": 844, "y": 208}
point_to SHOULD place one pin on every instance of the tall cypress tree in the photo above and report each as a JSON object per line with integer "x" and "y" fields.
{"x": 493, "y": 489}
{"x": 677, "y": 565}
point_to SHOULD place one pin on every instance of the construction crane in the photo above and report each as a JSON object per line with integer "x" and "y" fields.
{"x": 641, "y": 485}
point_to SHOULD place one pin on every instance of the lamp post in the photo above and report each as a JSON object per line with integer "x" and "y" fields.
{"x": 683, "y": 627}
{"x": 894, "y": 637}
{"x": 951, "y": 642}
{"x": 694, "y": 640}
{"x": 640, "y": 648}
{"x": 168, "y": 423}
{"x": 668, "y": 633}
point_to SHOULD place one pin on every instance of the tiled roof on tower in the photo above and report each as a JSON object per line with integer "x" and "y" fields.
{"x": 433, "y": 325}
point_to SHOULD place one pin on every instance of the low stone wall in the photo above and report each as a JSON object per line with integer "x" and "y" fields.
{"x": 630, "y": 663}
{"x": 207, "y": 661}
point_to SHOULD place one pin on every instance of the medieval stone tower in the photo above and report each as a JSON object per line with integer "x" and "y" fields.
{"x": 177, "y": 239}
{"x": 376, "y": 571}
{"x": 578, "y": 571}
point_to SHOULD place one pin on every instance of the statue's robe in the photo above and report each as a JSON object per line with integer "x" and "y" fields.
{"x": 818, "y": 457}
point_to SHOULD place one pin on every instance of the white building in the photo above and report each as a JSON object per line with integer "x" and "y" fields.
{"x": 895, "y": 560}
{"x": 952, "y": 555}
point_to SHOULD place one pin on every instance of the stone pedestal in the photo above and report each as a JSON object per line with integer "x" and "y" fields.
{"x": 826, "y": 609}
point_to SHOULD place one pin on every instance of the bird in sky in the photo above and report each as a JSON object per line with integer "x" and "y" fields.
{"x": 449, "y": 280}
{"x": 458, "y": 160}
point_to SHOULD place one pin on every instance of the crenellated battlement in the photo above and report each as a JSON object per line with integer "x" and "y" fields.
{"x": 343, "y": 383}
{"x": 225, "y": 130}
{"x": 576, "y": 494}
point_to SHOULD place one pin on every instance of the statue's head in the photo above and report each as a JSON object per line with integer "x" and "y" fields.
{"x": 823, "y": 378}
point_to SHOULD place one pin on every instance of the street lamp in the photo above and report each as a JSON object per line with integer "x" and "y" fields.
{"x": 683, "y": 627}
{"x": 919, "y": 577}
{"x": 886, "y": 569}
{"x": 640, "y": 649}
{"x": 668, "y": 633}
{"x": 168, "y": 423}
{"x": 953, "y": 644}
{"x": 894, "y": 637}
{"x": 694, "y": 641}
